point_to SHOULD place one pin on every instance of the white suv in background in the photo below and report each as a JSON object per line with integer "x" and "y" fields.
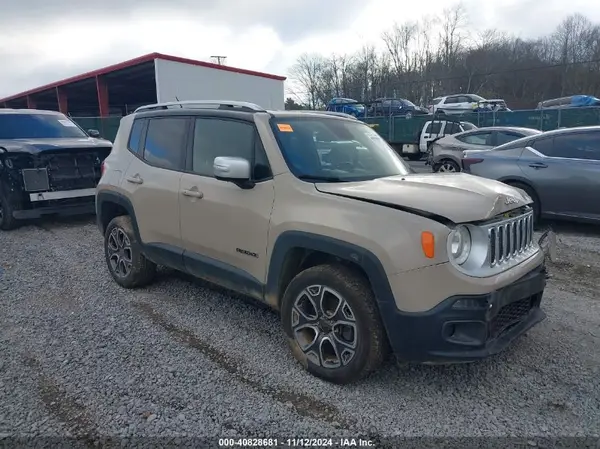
{"x": 455, "y": 104}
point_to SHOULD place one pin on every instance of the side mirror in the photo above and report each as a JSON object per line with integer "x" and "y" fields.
{"x": 233, "y": 169}
{"x": 93, "y": 133}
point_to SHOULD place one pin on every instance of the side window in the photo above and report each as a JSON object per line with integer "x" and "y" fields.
{"x": 578, "y": 146}
{"x": 219, "y": 137}
{"x": 433, "y": 128}
{"x": 397, "y": 104}
{"x": 386, "y": 103}
{"x": 505, "y": 137}
{"x": 476, "y": 139}
{"x": 544, "y": 146}
{"x": 135, "y": 137}
{"x": 451, "y": 100}
{"x": 452, "y": 128}
{"x": 165, "y": 142}
{"x": 463, "y": 99}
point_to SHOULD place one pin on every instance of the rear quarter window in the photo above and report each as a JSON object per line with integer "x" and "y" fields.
{"x": 135, "y": 136}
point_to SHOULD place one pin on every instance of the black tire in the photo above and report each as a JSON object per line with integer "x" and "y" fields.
{"x": 449, "y": 163}
{"x": 141, "y": 271}
{"x": 7, "y": 221}
{"x": 536, "y": 206}
{"x": 369, "y": 339}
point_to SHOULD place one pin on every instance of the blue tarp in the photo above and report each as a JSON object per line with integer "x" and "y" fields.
{"x": 584, "y": 100}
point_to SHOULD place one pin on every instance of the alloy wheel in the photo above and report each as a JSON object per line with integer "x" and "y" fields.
{"x": 447, "y": 167}
{"x": 119, "y": 252}
{"x": 324, "y": 326}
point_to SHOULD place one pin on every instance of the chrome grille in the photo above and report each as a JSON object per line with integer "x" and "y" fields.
{"x": 509, "y": 238}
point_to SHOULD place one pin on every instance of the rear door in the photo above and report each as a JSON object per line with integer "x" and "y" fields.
{"x": 476, "y": 140}
{"x": 152, "y": 184}
{"x": 565, "y": 171}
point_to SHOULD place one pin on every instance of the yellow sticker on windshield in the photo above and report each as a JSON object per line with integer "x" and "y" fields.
{"x": 285, "y": 128}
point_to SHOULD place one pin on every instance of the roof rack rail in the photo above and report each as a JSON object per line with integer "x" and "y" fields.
{"x": 204, "y": 104}
{"x": 338, "y": 114}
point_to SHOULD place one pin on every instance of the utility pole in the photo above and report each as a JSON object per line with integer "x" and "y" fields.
{"x": 219, "y": 59}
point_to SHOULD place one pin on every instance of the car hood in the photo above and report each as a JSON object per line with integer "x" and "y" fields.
{"x": 458, "y": 197}
{"x": 35, "y": 146}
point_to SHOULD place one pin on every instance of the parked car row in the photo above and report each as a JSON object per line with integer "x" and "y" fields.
{"x": 559, "y": 169}
{"x": 447, "y": 105}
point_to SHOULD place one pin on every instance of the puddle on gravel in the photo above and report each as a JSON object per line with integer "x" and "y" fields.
{"x": 302, "y": 404}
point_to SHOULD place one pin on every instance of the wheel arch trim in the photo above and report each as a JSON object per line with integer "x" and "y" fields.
{"x": 105, "y": 197}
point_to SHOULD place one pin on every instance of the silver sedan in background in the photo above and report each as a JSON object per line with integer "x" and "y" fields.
{"x": 559, "y": 169}
{"x": 445, "y": 154}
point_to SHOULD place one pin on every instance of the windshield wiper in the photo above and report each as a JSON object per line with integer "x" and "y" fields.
{"x": 316, "y": 178}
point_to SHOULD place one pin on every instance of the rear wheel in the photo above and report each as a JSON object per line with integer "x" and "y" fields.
{"x": 536, "y": 201}
{"x": 126, "y": 263}
{"x": 331, "y": 319}
{"x": 7, "y": 221}
{"x": 447, "y": 166}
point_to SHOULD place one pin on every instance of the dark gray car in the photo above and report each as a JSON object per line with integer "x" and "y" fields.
{"x": 559, "y": 169}
{"x": 445, "y": 154}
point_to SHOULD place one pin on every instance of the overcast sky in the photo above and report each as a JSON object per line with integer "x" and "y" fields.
{"x": 42, "y": 41}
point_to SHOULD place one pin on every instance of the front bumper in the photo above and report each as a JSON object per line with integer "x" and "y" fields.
{"x": 466, "y": 328}
{"x": 64, "y": 207}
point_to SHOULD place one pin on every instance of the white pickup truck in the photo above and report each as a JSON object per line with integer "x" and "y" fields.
{"x": 432, "y": 131}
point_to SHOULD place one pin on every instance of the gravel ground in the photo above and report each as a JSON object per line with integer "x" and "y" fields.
{"x": 81, "y": 356}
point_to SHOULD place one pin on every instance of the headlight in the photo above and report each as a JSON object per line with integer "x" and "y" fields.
{"x": 459, "y": 244}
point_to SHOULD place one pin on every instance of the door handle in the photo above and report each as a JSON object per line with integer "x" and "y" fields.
{"x": 135, "y": 179}
{"x": 538, "y": 165}
{"x": 192, "y": 193}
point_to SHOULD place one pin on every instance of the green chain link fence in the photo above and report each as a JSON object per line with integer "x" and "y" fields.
{"x": 107, "y": 126}
{"x": 401, "y": 130}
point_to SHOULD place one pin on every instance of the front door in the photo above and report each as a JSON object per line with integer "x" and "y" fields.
{"x": 224, "y": 227}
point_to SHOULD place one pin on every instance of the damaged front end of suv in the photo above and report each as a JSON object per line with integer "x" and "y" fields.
{"x": 48, "y": 166}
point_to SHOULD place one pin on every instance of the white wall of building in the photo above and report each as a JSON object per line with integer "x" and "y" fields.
{"x": 190, "y": 82}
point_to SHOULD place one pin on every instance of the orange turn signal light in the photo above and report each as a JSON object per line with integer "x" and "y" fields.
{"x": 428, "y": 244}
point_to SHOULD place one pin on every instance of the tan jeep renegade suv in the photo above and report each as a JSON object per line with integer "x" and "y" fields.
{"x": 318, "y": 217}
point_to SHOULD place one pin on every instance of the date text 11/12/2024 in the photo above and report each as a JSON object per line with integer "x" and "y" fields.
{"x": 295, "y": 442}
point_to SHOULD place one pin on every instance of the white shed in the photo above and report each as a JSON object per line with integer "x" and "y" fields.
{"x": 181, "y": 79}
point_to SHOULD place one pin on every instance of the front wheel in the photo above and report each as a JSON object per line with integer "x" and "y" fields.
{"x": 447, "y": 166}
{"x": 536, "y": 201}
{"x": 331, "y": 319}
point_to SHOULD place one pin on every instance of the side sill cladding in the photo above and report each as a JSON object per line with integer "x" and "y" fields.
{"x": 289, "y": 240}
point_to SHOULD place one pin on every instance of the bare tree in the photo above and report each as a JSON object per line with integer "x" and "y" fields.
{"x": 308, "y": 72}
{"x": 438, "y": 56}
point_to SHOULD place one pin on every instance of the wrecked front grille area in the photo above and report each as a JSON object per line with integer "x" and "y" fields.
{"x": 58, "y": 171}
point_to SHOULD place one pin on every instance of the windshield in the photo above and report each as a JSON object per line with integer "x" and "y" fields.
{"x": 37, "y": 126}
{"x": 333, "y": 150}
{"x": 477, "y": 97}
{"x": 409, "y": 103}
